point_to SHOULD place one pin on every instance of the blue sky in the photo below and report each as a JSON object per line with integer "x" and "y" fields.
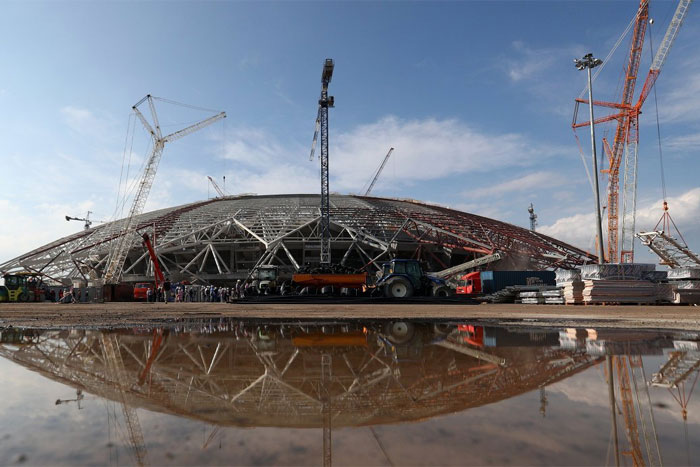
{"x": 476, "y": 97}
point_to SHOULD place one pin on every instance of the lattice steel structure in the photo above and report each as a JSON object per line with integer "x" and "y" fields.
{"x": 223, "y": 239}
{"x": 259, "y": 376}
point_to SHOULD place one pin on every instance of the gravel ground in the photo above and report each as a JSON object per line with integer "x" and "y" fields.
{"x": 49, "y": 315}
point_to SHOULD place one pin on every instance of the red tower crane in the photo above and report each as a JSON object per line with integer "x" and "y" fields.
{"x": 626, "y": 141}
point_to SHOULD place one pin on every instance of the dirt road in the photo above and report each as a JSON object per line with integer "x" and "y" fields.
{"x": 48, "y": 315}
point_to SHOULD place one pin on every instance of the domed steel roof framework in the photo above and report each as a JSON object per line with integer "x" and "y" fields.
{"x": 223, "y": 239}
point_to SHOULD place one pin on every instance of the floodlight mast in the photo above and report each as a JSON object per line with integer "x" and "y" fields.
{"x": 588, "y": 63}
{"x": 324, "y": 103}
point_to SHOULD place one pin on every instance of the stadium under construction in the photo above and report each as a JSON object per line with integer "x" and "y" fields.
{"x": 223, "y": 239}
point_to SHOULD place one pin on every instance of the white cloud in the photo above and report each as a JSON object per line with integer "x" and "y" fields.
{"x": 78, "y": 119}
{"x": 534, "y": 180}
{"x": 685, "y": 142}
{"x": 679, "y": 94}
{"x": 425, "y": 150}
{"x": 685, "y": 210}
{"x": 254, "y": 148}
{"x": 36, "y": 225}
{"x": 579, "y": 229}
{"x": 527, "y": 62}
{"x": 429, "y": 149}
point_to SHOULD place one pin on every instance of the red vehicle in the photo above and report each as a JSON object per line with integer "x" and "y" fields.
{"x": 469, "y": 284}
{"x": 140, "y": 289}
{"x": 488, "y": 282}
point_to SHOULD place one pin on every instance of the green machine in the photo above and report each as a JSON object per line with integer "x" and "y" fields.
{"x": 20, "y": 287}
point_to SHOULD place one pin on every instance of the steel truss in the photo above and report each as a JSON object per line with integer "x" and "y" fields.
{"x": 224, "y": 238}
{"x": 238, "y": 376}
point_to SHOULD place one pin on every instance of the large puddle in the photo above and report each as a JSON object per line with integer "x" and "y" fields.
{"x": 352, "y": 393}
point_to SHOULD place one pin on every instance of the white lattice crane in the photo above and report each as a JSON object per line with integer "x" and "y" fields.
{"x": 113, "y": 270}
{"x": 216, "y": 186}
{"x": 379, "y": 171}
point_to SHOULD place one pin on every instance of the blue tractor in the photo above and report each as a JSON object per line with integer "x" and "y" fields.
{"x": 403, "y": 278}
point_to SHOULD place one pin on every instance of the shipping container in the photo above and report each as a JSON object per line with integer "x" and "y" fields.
{"x": 493, "y": 281}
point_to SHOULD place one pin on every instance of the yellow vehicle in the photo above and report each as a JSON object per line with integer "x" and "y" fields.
{"x": 21, "y": 287}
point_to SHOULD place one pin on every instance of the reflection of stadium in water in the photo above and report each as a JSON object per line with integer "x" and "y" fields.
{"x": 237, "y": 374}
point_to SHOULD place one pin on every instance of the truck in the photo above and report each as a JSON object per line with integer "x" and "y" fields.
{"x": 487, "y": 282}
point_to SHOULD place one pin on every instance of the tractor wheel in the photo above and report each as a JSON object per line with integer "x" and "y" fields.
{"x": 441, "y": 291}
{"x": 398, "y": 287}
{"x": 399, "y": 332}
{"x": 23, "y": 297}
{"x": 442, "y": 329}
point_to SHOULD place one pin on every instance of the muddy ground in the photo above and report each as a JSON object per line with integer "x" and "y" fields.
{"x": 107, "y": 315}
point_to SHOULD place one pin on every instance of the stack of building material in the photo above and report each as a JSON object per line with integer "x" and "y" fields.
{"x": 514, "y": 294}
{"x": 563, "y": 276}
{"x": 573, "y": 292}
{"x": 554, "y": 297}
{"x": 685, "y": 285}
{"x": 617, "y": 271}
{"x": 542, "y": 294}
{"x": 619, "y": 291}
{"x": 531, "y": 297}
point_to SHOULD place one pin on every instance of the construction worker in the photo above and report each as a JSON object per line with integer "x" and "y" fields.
{"x": 166, "y": 290}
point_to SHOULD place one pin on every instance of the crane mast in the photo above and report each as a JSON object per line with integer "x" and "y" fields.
{"x": 379, "y": 171}
{"x": 626, "y": 136}
{"x": 324, "y": 103}
{"x": 115, "y": 265}
{"x": 632, "y": 148}
{"x": 626, "y": 142}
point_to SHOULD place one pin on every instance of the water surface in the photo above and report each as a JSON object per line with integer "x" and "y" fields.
{"x": 352, "y": 393}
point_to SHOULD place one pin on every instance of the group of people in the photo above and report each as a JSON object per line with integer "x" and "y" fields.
{"x": 181, "y": 293}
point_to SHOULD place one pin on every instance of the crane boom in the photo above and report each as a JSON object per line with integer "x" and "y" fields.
{"x": 632, "y": 146}
{"x": 662, "y": 52}
{"x": 157, "y": 273}
{"x": 216, "y": 187}
{"x": 115, "y": 264}
{"x": 379, "y": 171}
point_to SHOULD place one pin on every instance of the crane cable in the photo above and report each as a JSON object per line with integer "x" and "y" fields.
{"x": 614, "y": 47}
{"x": 121, "y": 172}
{"x": 169, "y": 101}
{"x": 595, "y": 75}
{"x": 658, "y": 134}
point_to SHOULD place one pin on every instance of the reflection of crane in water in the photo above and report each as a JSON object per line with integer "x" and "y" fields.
{"x": 637, "y": 411}
{"x": 675, "y": 373}
{"x": 115, "y": 365}
{"x": 79, "y": 396}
